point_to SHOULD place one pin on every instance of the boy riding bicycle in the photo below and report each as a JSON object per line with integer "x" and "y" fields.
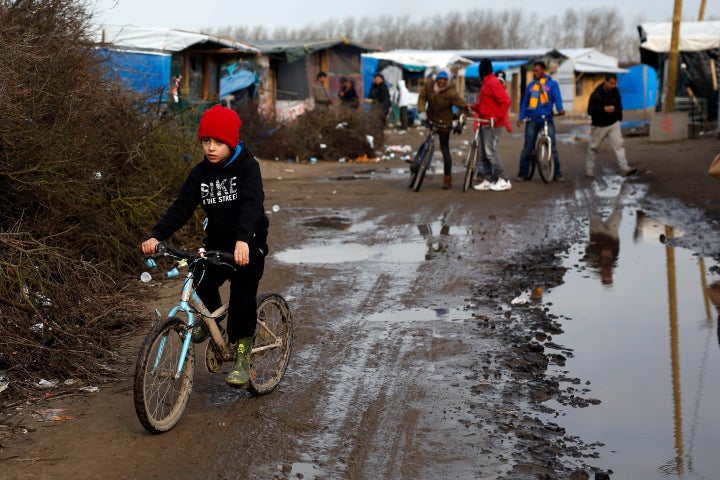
{"x": 227, "y": 184}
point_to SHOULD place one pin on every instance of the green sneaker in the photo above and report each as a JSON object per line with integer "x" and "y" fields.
{"x": 240, "y": 374}
{"x": 199, "y": 333}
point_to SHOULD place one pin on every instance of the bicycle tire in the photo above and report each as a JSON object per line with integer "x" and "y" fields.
{"x": 423, "y": 167}
{"x": 470, "y": 167}
{"x": 267, "y": 366}
{"x": 545, "y": 163}
{"x": 414, "y": 165}
{"x": 160, "y": 399}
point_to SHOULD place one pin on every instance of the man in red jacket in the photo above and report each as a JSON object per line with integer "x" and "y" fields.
{"x": 492, "y": 109}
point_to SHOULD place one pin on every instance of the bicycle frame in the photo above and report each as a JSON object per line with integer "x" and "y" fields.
{"x": 190, "y": 304}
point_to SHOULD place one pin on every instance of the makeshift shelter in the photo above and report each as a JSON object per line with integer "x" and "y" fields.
{"x": 580, "y": 71}
{"x": 192, "y": 67}
{"x": 698, "y": 65}
{"x": 291, "y": 68}
{"x": 413, "y": 66}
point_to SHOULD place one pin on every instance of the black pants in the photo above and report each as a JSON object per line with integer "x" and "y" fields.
{"x": 403, "y": 118}
{"x": 244, "y": 283}
{"x": 444, "y": 136}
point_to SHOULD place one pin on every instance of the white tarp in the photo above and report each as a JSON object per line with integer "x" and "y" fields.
{"x": 589, "y": 60}
{"x": 422, "y": 58}
{"x": 694, "y": 36}
{"x": 160, "y": 39}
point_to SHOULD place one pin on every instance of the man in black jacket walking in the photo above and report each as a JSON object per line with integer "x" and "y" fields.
{"x": 605, "y": 109}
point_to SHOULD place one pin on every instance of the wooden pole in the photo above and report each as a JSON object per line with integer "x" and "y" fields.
{"x": 701, "y": 15}
{"x": 673, "y": 58}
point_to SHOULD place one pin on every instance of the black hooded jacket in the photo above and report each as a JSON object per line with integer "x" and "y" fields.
{"x": 232, "y": 196}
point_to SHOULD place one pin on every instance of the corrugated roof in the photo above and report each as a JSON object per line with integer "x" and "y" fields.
{"x": 135, "y": 38}
{"x": 296, "y": 49}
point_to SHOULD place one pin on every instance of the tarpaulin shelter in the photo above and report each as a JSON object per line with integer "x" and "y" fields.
{"x": 580, "y": 70}
{"x": 155, "y": 60}
{"x": 413, "y": 66}
{"x": 698, "y": 63}
{"x": 293, "y": 64}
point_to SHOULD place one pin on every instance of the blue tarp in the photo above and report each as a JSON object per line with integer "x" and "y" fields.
{"x": 369, "y": 66}
{"x": 472, "y": 71}
{"x": 631, "y": 88}
{"x": 147, "y": 73}
{"x": 235, "y": 78}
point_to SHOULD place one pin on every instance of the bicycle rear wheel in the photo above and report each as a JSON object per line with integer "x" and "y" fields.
{"x": 424, "y": 164}
{"x": 532, "y": 162}
{"x": 272, "y": 345}
{"x": 470, "y": 167}
{"x": 545, "y": 163}
{"x": 160, "y": 398}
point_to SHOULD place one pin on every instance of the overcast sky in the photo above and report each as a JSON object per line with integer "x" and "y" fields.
{"x": 194, "y": 15}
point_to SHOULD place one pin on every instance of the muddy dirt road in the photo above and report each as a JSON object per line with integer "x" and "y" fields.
{"x": 410, "y": 360}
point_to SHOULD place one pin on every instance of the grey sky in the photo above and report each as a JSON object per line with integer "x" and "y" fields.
{"x": 193, "y": 15}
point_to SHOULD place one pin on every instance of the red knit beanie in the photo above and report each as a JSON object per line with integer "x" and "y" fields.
{"x": 220, "y": 123}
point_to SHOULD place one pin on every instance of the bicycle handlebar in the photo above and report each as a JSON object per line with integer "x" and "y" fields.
{"x": 215, "y": 257}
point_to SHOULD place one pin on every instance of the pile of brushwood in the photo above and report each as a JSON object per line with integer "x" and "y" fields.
{"x": 86, "y": 168}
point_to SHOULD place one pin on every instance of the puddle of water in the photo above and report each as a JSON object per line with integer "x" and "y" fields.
{"x": 423, "y": 242}
{"x": 408, "y": 252}
{"x": 414, "y": 315}
{"x": 644, "y": 335}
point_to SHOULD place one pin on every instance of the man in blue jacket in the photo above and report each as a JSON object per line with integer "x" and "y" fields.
{"x": 542, "y": 94}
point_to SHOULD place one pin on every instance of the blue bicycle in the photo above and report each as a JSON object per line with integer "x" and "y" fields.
{"x": 166, "y": 363}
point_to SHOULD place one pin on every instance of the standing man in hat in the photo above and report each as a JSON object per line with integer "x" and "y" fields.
{"x": 435, "y": 103}
{"x": 492, "y": 107}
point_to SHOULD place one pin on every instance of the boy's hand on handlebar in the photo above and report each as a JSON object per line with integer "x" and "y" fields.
{"x": 242, "y": 253}
{"x": 149, "y": 246}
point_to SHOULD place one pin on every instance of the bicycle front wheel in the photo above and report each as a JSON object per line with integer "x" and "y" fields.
{"x": 470, "y": 167}
{"x": 415, "y": 165}
{"x": 545, "y": 163}
{"x": 272, "y": 345}
{"x": 160, "y": 397}
{"x": 424, "y": 164}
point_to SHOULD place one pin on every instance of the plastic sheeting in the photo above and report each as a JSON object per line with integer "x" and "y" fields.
{"x": 141, "y": 72}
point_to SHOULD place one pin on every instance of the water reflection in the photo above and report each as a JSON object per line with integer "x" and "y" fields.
{"x": 604, "y": 246}
{"x": 645, "y": 347}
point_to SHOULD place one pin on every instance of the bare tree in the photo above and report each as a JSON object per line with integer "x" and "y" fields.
{"x": 598, "y": 28}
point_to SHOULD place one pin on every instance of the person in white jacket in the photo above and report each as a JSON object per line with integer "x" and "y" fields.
{"x": 403, "y": 103}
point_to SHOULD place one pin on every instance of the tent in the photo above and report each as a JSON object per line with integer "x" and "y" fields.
{"x": 698, "y": 63}
{"x": 148, "y": 60}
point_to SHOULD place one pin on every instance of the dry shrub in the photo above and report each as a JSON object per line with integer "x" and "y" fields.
{"x": 85, "y": 170}
{"x": 327, "y": 135}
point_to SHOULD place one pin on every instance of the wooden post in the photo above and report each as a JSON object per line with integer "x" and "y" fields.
{"x": 701, "y": 15}
{"x": 673, "y": 58}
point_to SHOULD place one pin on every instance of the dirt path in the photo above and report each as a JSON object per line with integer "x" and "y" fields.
{"x": 408, "y": 362}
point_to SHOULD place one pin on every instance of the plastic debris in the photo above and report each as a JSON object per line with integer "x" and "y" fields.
{"x": 89, "y": 389}
{"x": 51, "y": 415}
{"x": 145, "y": 277}
{"x": 275, "y": 208}
{"x": 46, "y": 384}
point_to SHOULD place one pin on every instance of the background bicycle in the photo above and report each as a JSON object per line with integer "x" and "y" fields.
{"x": 165, "y": 366}
{"x": 423, "y": 158}
{"x": 471, "y": 162}
{"x": 541, "y": 157}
